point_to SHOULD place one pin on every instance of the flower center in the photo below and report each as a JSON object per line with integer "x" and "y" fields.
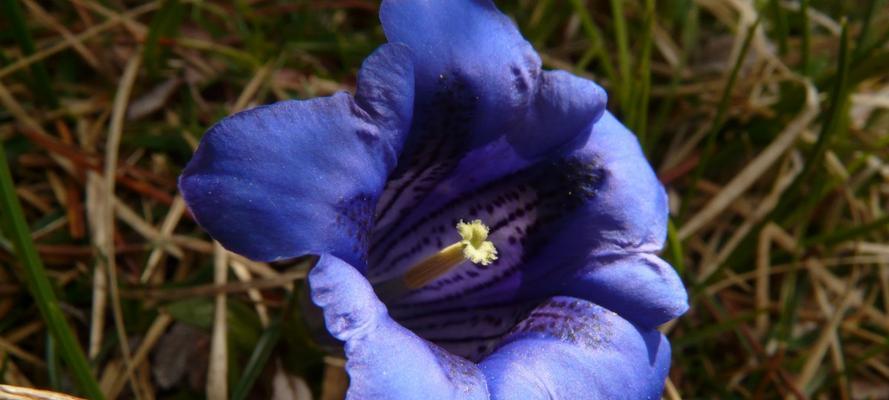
{"x": 473, "y": 246}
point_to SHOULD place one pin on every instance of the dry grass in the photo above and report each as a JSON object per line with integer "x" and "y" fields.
{"x": 778, "y": 178}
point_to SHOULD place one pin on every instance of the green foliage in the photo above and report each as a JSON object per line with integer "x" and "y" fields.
{"x": 38, "y": 284}
{"x": 40, "y": 81}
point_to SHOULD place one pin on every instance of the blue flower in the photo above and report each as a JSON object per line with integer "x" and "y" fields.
{"x": 549, "y": 288}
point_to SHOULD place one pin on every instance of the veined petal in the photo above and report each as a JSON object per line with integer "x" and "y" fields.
{"x": 470, "y": 332}
{"x": 558, "y": 224}
{"x": 605, "y": 251}
{"x": 569, "y": 348}
{"x": 478, "y": 82}
{"x": 295, "y": 177}
{"x": 472, "y": 44}
{"x": 385, "y": 360}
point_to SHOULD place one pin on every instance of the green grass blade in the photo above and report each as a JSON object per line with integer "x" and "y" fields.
{"x": 848, "y": 234}
{"x": 584, "y": 62}
{"x": 794, "y": 201}
{"x": 261, "y": 353}
{"x": 677, "y": 256}
{"x": 779, "y": 18}
{"x": 712, "y": 331}
{"x": 791, "y": 294}
{"x": 721, "y": 110}
{"x": 642, "y": 92}
{"x": 688, "y": 20}
{"x": 52, "y": 363}
{"x": 164, "y": 23}
{"x": 542, "y": 26}
{"x": 623, "y": 53}
{"x": 595, "y": 35}
{"x": 865, "y": 37}
{"x": 39, "y": 285}
{"x": 806, "y": 38}
{"x": 839, "y": 96}
{"x": 19, "y": 29}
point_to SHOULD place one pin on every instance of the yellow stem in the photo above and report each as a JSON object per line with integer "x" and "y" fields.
{"x": 435, "y": 266}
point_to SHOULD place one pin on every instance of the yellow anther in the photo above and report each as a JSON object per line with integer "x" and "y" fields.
{"x": 473, "y": 246}
{"x": 476, "y": 246}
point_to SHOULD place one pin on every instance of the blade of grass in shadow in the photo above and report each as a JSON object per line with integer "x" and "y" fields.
{"x": 839, "y": 96}
{"x": 726, "y": 321}
{"x": 19, "y": 29}
{"x": 539, "y": 28}
{"x": 847, "y": 234}
{"x": 261, "y": 353}
{"x": 711, "y": 331}
{"x": 794, "y": 199}
{"x": 688, "y": 20}
{"x": 861, "y": 359}
{"x": 640, "y": 94}
{"x": 791, "y": 294}
{"x": 588, "y": 56}
{"x": 595, "y": 35}
{"x": 677, "y": 256}
{"x": 721, "y": 109}
{"x": 779, "y": 24}
{"x": 39, "y": 285}
{"x": 865, "y": 41}
{"x": 871, "y": 64}
{"x": 52, "y": 363}
{"x": 806, "y": 44}
{"x": 241, "y": 57}
{"x": 623, "y": 54}
{"x": 164, "y": 23}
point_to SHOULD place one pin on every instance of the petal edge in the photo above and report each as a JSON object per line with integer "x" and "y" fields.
{"x": 570, "y": 348}
{"x": 385, "y": 360}
{"x": 297, "y": 177}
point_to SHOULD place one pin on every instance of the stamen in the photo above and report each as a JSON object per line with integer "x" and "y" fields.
{"x": 473, "y": 246}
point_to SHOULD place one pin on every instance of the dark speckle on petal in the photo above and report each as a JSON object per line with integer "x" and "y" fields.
{"x": 521, "y": 224}
{"x": 438, "y": 139}
{"x": 575, "y": 322}
{"x": 521, "y": 84}
{"x": 356, "y": 217}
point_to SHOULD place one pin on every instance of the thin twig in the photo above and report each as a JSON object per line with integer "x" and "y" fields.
{"x": 63, "y": 45}
{"x": 210, "y": 290}
{"x": 217, "y": 373}
{"x": 756, "y": 167}
{"x": 115, "y": 131}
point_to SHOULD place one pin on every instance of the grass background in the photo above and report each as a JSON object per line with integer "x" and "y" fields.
{"x": 766, "y": 120}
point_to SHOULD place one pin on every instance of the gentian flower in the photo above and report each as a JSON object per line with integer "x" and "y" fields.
{"x": 485, "y": 228}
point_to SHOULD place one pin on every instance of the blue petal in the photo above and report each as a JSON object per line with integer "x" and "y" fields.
{"x": 571, "y": 349}
{"x": 588, "y": 222}
{"x": 296, "y": 177}
{"x": 639, "y": 286}
{"x": 470, "y": 47}
{"x": 478, "y": 82}
{"x": 385, "y": 360}
{"x": 564, "y": 109}
{"x": 385, "y": 93}
{"x": 470, "y": 332}
{"x": 606, "y": 249}
{"x": 471, "y": 42}
{"x": 630, "y": 211}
